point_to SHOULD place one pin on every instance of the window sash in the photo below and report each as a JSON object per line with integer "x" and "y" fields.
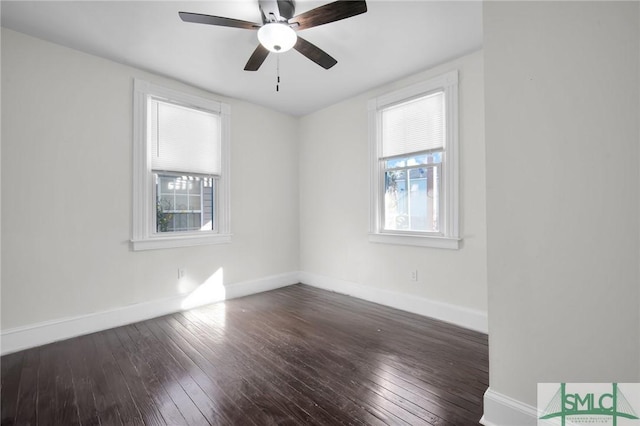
{"x": 201, "y": 211}
{"x": 437, "y": 171}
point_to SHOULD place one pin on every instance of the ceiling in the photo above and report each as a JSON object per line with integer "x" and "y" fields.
{"x": 391, "y": 40}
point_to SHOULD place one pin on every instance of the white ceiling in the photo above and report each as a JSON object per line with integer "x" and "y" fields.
{"x": 391, "y": 40}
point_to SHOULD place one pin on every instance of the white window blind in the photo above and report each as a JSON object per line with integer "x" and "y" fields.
{"x": 184, "y": 139}
{"x": 413, "y": 126}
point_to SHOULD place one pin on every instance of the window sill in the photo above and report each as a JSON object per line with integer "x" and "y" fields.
{"x": 416, "y": 240}
{"x": 179, "y": 241}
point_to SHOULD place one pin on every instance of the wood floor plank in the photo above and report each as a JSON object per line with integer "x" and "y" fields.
{"x": 293, "y": 356}
{"x": 66, "y": 408}
{"x": 267, "y": 412}
{"x": 26, "y": 412}
{"x": 323, "y": 390}
{"x": 369, "y": 317}
{"x": 316, "y": 402}
{"x": 105, "y": 402}
{"x": 436, "y": 365}
{"x": 306, "y": 409}
{"x": 46, "y": 392}
{"x": 83, "y": 383}
{"x": 315, "y": 358}
{"x": 187, "y": 411}
{"x": 179, "y": 374}
{"x": 116, "y": 382}
{"x": 11, "y": 372}
{"x": 154, "y": 405}
{"x": 387, "y": 314}
{"x": 226, "y": 410}
{"x": 227, "y": 387}
{"x": 299, "y": 356}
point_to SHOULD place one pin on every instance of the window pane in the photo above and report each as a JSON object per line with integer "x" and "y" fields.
{"x": 417, "y": 160}
{"x": 194, "y": 202}
{"x": 208, "y": 204}
{"x": 181, "y": 202}
{"x": 418, "y": 197}
{"x": 395, "y": 200}
{"x": 414, "y": 160}
{"x": 184, "y": 203}
{"x": 412, "y": 199}
{"x": 165, "y": 202}
{"x": 435, "y": 157}
{"x": 396, "y": 162}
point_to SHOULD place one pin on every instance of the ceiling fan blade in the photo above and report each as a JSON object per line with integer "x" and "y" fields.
{"x": 331, "y": 12}
{"x": 217, "y": 20}
{"x": 314, "y": 53}
{"x": 257, "y": 58}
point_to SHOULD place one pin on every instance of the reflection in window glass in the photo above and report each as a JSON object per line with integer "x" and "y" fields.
{"x": 184, "y": 203}
{"x": 412, "y": 192}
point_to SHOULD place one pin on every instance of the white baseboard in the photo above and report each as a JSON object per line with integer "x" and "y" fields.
{"x": 464, "y": 317}
{"x": 16, "y": 339}
{"x": 501, "y": 410}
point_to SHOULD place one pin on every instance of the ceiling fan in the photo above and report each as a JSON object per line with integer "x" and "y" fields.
{"x": 277, "y": 33}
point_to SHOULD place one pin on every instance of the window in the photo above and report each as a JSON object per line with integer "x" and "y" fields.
{"x": 181, "y": 169}
{"x": 414, "y": 170}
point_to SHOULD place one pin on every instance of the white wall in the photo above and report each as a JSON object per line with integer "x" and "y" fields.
{"x": 562, "y": 107}
{"x": 67, "y": 142}
{"x": 66, "y": 190}
{"x": 334, "y": 205}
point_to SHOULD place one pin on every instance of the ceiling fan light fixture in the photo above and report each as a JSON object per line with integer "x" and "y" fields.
{"x": 277, "y": 37}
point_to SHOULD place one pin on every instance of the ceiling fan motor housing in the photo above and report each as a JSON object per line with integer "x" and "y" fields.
{"x": 276, "y": 10}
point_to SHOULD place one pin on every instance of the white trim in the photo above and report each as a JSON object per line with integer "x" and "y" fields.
{"x": 450, "y": 204}
{"x": 143, "y": 235}
{"x": 179, "y": 241}
{"x": 20, "y": 338}
{"x": 452, "y": 160}
{"x": 416, "y": 240}
{"x": 464, "y": 317}
{"x": 502, "y": 410}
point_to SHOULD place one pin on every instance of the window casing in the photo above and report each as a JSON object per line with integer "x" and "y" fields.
{"x": 413, "y": 138}
{"x": 181, "y": 169}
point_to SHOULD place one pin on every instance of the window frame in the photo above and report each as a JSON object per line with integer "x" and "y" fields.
{"x": 144, "y": 235}
{"x": 449, "y": 235}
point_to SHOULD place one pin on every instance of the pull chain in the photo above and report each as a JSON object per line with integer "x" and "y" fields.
{"x": 278, "y": 72}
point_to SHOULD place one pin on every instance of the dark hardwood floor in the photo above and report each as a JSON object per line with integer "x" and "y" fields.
{"x": 292, "y": 356}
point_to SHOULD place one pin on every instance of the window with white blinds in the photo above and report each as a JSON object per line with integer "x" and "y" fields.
{"x": 181, "y": 169}
{"x": 414, "y": 164}
{"x": 413, "y": 126}
{"x": 184, "y": 139}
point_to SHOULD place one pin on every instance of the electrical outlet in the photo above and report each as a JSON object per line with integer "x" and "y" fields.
{"x": 181, "y": 273}
{"x": 414, "y": 275}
